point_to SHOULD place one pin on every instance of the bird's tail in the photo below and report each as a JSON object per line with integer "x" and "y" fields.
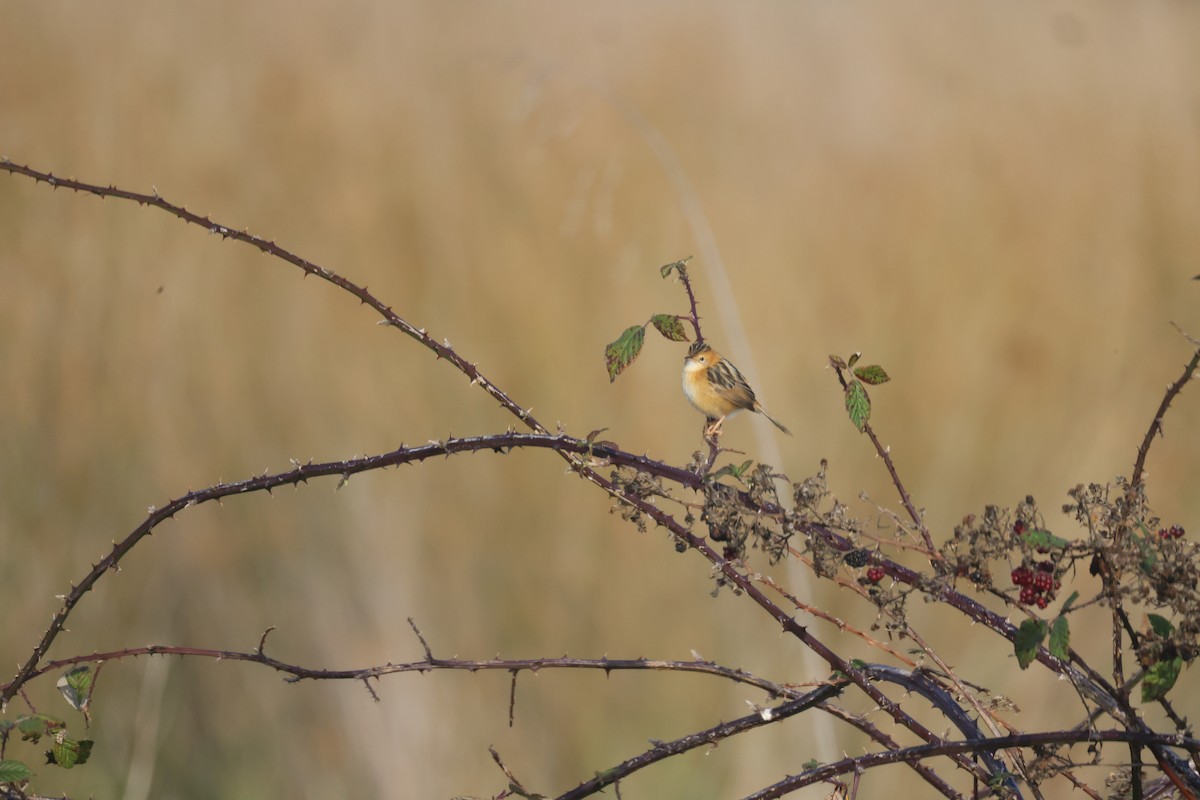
{"x": 774, "y": 421}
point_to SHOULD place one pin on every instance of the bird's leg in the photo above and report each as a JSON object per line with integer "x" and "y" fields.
{"x": 713, "y": 430}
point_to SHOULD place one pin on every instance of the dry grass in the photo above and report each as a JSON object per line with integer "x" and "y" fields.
{"x": 997, "y": 202}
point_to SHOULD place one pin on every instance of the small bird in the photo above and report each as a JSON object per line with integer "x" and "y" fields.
{"x": 715, "y": 387}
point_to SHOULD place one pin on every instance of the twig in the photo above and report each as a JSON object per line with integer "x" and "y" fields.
{"x": 262, "y": 642}
{"x": 512, "y": 697}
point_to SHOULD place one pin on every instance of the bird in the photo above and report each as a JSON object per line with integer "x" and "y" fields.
{"x": 716, "y": 388}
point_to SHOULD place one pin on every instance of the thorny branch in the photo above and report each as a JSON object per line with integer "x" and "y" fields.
{"x": 827, "y": 772}
{"x": 711, "y": 736}
{"x": 297, "y": 673}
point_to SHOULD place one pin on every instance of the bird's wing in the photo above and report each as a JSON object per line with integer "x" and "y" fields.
{"x": 729, "y": 384}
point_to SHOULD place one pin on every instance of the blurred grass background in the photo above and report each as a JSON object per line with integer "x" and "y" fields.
{"x": 998, "y": 202}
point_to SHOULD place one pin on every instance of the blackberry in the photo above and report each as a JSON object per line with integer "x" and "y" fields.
{"x": 857, "y": 558}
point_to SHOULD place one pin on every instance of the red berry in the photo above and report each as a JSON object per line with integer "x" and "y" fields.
{"x": 1042, "y": 602}
{"x": 1022, "y": 576}
{"x": 875, "y": 574}
{"x": 1027, "y": 595}
{"x": 1018, "y": 527}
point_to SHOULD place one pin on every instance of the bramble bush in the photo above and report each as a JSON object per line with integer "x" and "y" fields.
{"x": 1001, "y": 571}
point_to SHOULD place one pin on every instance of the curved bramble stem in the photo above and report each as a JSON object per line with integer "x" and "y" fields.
{"x": 298, "y": 672}
{"x": 304, "y": 472}
{"x": 705, "y": 738}
{"x": 684, "y": 278}
{"x": 827, "y": 772}
{"x": 885, "y": 454}
{"x": 1173, "y": 390}
{"x": 442, "y": 350}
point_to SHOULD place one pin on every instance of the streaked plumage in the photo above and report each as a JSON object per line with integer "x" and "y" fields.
{"x": 717, "y": 389}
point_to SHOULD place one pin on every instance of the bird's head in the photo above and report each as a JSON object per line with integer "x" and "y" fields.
{"x": 699, "y": 356}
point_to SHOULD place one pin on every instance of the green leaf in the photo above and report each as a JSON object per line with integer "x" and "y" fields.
{"x": 1149, "y": 558}
{"x": 1060, "y": 638}
{"x": 1070, "y": 601}
{"x": 666, "y": 269}
{"x": 850, "y": 362}
{"x": 811, "y": 764}
{"x": 838, "y": 362}
{"x": 1160, "y": 678}
{"x": 858, "y": 404}
{"x": 621, "y": 353}
{"x": 76, "y": 685}
{"x": 730, "y": 469}
{"x": 998, "y": 779}
{"x": 669, "y": 326}
{"x": 1028, "y": 639}
{"x": 1045, "y": 539}
{"x": 1161, "y": 625}
{"x": 13, "y": 771}
{"x": 67, "y": 752}
{"x": 873, "y": 375}
{"x": 35, "y": 726}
